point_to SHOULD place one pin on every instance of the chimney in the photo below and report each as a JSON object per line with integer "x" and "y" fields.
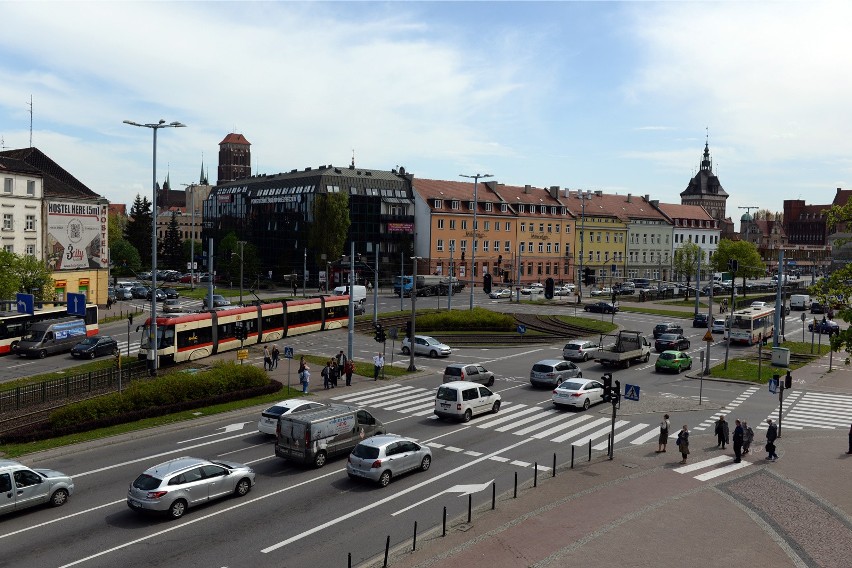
{"x": 629, "y": 200}
{"x": 599, "y": 192}
{"x": 655, "y": 203}
{"x": 647, "y": 198}
{"x": 554, "y": 191}
{"x": 527, "y": 188}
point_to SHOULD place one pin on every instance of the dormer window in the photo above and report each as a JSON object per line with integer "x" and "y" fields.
{"x": 562, "y": 211}
{"x": 553, "y": 210}
{"x": 542, "y": 209}
{"x": 439, "y": 204}
{"x": 488, "y": 207}
{"x": 470, "y": 205}
{"x": 520, "y": 208}
{"x": 504, "y": 207}
{"x": 455, "y": 204}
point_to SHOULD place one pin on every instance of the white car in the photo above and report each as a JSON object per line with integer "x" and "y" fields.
{"x": 501, "y": 293}
{"x": 269, "y": 418}
{"x": 579, "y": 393}
{"x": 566, "y": 290}
{"x": 425, "y": 345}
{"x": 602, "y": 292}
{"x": 462, "y": 400}
{"x": 718, "y": 326}
{"x": 534, "y": 288}
{"x": 758, "y": 305}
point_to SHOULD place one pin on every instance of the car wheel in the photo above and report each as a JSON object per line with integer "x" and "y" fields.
{"x": 490, "y": 382}
{"x": 495, "y": 408}
{"x": 385, "y": 479}
{"x": 242, "y": 488}
{"x": 585, "y": 356}
{"x": 559, "y": 381}
{"x": 177, "y": 509}
{"x": 41, "y": 354}
{"x": 688, "y": 367}
{"x": 467, "y": 415}
{"x": 679, "y": 369}
{"x": 586, "y": 404}
{"x": 647, "y": 357}
{"x": 425, "y": 463}
{"x": 433, "y": 354}
{"x": 92, "y": 354}
{"x": 59, "y": 497}
{"x": 405, "y": 350}
{"x": 319, "y": 460}
{"x": 350, "y": 476}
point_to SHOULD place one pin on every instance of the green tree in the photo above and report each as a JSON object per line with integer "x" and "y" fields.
{"x": 125, "y": 257}
{"x": 686, "y": 261}
{"x": 750, "y": 265}
{"x": 836, "y": 289}
{"x": 139, "y": 227}
{"x": 186, "y": 247}
{"x": 330, "y": 226}
{"x": 171, "y": 249}
{"x": 10, "y": 284}
{"x": 34, "y": 277}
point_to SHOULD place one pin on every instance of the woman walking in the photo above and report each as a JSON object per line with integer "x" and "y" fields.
{"x": 305, "y": 377}
{"x": 683, "y": 442}
{"x": 748, "y": 437}
{"x": 664, "y": 434}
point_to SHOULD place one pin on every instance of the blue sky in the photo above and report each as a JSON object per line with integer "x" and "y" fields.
{"x": 585, "y": 95}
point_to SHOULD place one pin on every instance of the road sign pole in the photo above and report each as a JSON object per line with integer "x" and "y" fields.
{"x": 289, "y": 364}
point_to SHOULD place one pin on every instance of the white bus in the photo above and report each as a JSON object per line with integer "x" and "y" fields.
{"x": 750, "y": 325}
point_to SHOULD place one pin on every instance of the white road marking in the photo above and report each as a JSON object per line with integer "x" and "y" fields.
{"x": 621, "y": 435}
{"x": 722, "y": 470}
{"x": 702, "y": 464}
{"x": 7, "y": 534}
{"x": 225, "y": 430}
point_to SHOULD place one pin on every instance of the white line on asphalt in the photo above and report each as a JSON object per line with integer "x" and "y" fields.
{"x": 702, "y": 464}
{"x": 241, "y": 449}
{"x": 4, "y": 535}
{"x": 387, "y": 499}
{"x": 258, "y": 460}
{"x": 722, "y": 470}
{"x": 463, "y": 428}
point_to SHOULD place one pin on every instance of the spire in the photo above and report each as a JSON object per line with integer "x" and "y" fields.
{"x": 166, "y": 185}
{"x": 352, "y": 165}
{"x": 706, "y": 163}
{"x": 202, "y": 179}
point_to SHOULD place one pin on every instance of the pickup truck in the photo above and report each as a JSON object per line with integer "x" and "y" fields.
{"x": 623, "y": 348}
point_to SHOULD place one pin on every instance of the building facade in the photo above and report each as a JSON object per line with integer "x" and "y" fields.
{"x": 692, "y": 224}
{"x": 234, "y": 158}
{"x": 20, "y": 206}
{"x": 705, "y": 190}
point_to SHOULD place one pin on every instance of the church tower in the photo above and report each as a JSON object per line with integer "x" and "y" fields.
{"x": 705, "y": 190}
{"x": 234, "y": 158}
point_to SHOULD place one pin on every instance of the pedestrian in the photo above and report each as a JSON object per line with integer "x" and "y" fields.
{"x": 334, "y": 373}
{"x": 267, "y": 358}
{"x": 276, "y": 354}
{"x": 378, "y": 363}
{"x": 683, "y": 442}
{"x": 302, "y": 364}
{"x": 722, "y": 432}
{"x": 109, "y": 302}
{"x": 748, "y": 437}
{"x": 326, "y": 375}
{"x": 664, "y": 434}
{"x": 305, "y": 377}
{"x": 341, "y": 360}
{"x": 850, "y": 440}
{"x": 350, "y": 368}
{"x": 739, "y": 435}
{"x": 295, "y": 287}
{"x": 771, "y": 436}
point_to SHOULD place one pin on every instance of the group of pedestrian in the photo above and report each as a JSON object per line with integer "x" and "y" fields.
{"x": 270, "y": 358}
{"x": 304, "y": 374}
{"x": 723, "y": 306}
{"x": 337, "y": 367}
{"x": 743, "y": 437}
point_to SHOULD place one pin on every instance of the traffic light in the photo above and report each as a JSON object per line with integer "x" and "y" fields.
{"x": 408, "y": 329}
{"x": 240, "y": 332}
{"x": 588, "y": 278}
{"x": 607, "y": 387}
{"x": 129, "y": 319}
{"x": 486, "y": 283}
{"x": 616, "y": 392}
{"x": 380, "y": 333}
{"x": 548, "y": 288}
{"x": 788, "y": 381}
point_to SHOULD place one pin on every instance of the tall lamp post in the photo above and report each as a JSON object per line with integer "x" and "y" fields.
{"x": 583, "y": 197}
{"x": 152, "y": 351}
{"x": 414, "y": 260}
{"x": 475, "y": 178}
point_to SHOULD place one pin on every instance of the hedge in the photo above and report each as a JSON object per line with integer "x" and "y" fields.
{"x": 477, "y": 319}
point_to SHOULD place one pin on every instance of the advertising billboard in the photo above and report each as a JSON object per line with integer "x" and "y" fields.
{"x": 77, "y": 235}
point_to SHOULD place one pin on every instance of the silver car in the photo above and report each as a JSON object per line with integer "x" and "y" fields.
{"x": 472, "y": 372}
{"x": 553, "y": 372}
{"x": 22, "y": 487}
{"x": 381, "y": 458}
{"x": 579, "y": 350}
{"x": 425, "y": 345}
{"x": 174, "y": 486}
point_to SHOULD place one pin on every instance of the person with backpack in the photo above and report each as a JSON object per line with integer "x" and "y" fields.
{"x": 771, "y": 436}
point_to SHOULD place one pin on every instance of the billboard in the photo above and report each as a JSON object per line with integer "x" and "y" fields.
{"x": 76, "y": 235}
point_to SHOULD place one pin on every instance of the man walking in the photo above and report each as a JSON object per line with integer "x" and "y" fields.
{"x": 267, "y": 359}
{"x": 771, "y": 436}
{"x": 378, "y": 363}
{"x": 722, "y": 432}
{"x": 748, "y": 436}
{"x": 738, "y": 441}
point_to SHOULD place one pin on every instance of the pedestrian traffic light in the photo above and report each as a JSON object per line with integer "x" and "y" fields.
{"x": 788, "y": 381}
{"x": 379, "y": 337}
{"x": 607, "y": 387}
{"x": 382, "y": 335}
{"x": 408, "y": 329}
{"x": 616, "y": 392}
{"x": 548, "y": 288}
{"x": 486, "y": 283}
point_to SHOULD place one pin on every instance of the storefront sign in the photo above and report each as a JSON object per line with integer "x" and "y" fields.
{"x": 76, "y": 235}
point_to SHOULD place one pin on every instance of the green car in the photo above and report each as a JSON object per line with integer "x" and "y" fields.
{"x": 675, "y": 361}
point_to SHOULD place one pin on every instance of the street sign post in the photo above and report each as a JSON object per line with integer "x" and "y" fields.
{"x": 76, "y": 304}
{"x": 631, "y": 392}
{"x": 26, "y": 303}
{"x": 288, "y": 354}
{"x": 522, "y": 329}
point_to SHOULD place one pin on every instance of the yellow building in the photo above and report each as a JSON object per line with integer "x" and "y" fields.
{"x": 601, "y": 242}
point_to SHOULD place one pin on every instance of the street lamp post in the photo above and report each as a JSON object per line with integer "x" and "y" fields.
{"x": 414, "y": 260}
{"x": 242, "y": 262}
{"x": 583, "y": 197}
{"x": 152, "y": 351}
{"x": 475, "y": 178}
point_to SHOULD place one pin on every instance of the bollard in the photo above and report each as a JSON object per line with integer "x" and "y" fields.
{"x": 590, "y": 450}
{"x": 516, "y": 485}
{"x": 535, "y": 474}
{"x": 387, "y": 550}
{"x": 469, "y": 506}
{"x": 553, "y": 471}
{"x": 414, "y": 544}
{"x": 493, "y": 495}
{"x": 572, "y": 456}
{"x": 349, "y": 561}
{"x": 444, "y": 523}
{"x": 611, "y": 443}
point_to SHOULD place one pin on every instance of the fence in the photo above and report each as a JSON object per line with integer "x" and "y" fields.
{"x": 70, "y": 387}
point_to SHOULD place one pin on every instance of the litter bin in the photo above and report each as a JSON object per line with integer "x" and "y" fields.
{"x": 780, "y": 357}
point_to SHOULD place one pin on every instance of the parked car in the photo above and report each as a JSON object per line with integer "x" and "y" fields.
{"x": 425, "y": 345}
{"x": 757, "y": 305}
{"x": 534, "y": 288}
{"x": 111, "y": 294}
{"x": 382, "y": 458}
{"x": 700, "y": 320}
{"x": 602, "y": 292}
{"x": 579, "y": 393}
{"x": 172, "y": 307}
{"x": 500, "y": 293}
{"x": 140, "y": 292}
{"x": 122, "y": 293}
{"x": 159, "y": 294}
{"x": 580, "y": 350}
{"x": 219, "y": 301}
{"x": 825, "y": 326}
{"x": 187, "y": 278}
{"x": 601, "y": 308}
{"x": 668, "y": 341}
{"x": 718, "y": 326}
{"x": 95, "y": 346}
{"x": 565, "y": 290}
{"x": 174, "y": 486}
{"x": 269, "y": 418}
{"x": 667, "y": 327}
{"x": 22, "y": 487}
{"x": 673, "y": 360}
{"x": 553, "y": 372}
{"x": 468, "y": 372}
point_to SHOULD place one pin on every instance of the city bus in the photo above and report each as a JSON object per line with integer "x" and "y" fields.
{"x": 750, "y": 325}
{"x": 14, "y": 325}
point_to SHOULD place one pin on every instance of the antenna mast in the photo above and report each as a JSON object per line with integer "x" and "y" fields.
{"x": 31, "y": 121}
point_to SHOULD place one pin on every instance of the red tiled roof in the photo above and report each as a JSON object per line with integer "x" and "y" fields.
{"x": 233, "y": 138}
{"x": 678, "y": 211}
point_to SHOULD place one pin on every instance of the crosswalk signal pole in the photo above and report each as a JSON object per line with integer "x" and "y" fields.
{"x": 615, "y": 399}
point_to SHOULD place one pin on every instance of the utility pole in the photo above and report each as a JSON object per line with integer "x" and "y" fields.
{"x": 475, "y": 178}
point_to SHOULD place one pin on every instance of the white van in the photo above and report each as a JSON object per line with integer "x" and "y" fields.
{"x": 800, "y": 302}
{"x": 462, "y": 400}
{"x": 359, "y": 293}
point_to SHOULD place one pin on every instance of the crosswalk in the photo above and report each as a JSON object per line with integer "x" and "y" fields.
{"x": 827, "y": 411}
{"x": 713, "y": 467}
{"x": 725, "y": 410}
{"x": 537, "y": 422}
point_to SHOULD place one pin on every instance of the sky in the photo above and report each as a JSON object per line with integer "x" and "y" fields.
{"x": 612, "y": 96}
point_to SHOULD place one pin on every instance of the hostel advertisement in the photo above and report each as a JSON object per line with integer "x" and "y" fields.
{"x": 77, "y": 235}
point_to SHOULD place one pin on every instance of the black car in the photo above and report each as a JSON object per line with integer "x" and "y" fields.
{"x": 817, "y": 308}
{"x": 601, "y": 308}
{"x": 826, "y": 326}
{"x": 667, "y": 327}
{"x": 671, "y": 342}
{"x": 158, "y": 293}
{"x": 700, "y": 320}
{"x": 95, "y": 346}
{"x": 140, "y": 292}
{"x": 171, "y": 293}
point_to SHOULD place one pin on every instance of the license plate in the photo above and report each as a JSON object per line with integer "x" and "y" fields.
{"x": 134, "y": 503}
{"x": 445, "y": 405}
{"x": 267, "y": 420}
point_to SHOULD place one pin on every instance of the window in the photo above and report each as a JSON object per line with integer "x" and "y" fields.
{"x": 464, "y": 246}
{"x": 9, "y": 248}
{"x": 440, "y": 223}
{"x": 504, "y": 207}
{"x": 540, "y": 247}
{"x": 523, "y": 227}
{"x": 439, "y": 204}
{"x": 31, "y": 187}
{"x": 484, "y": 246}
{"x": 488, "y": 207}
{"x": 470, "y": 206}
{"x": 521, "y": 208}
{"x": 550, "y": 227}
{"x": 452, "y": 224}
{"x": 507, "y": 246}
{"x": 540, "y": 227}
{"x": 454, "y": 204}
{"x": 464, "y": 224}
{"x": 508, "y": 226}
{"x": 496, "y": 225}
{"x": 30, "y": 250}
{"x": 452, "y": 245}
{"x": 521, "y": 247}
{"x": 7, "y": 221}
{"x": 488, "y": 225}
{"x": 7, "y": 185}
{"x": 439, "y": 246}
{"x": 496, "y": 246}
{"x": 30, "y": 224}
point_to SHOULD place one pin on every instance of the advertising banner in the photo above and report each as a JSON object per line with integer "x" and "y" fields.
{"x": 77, "y": 235}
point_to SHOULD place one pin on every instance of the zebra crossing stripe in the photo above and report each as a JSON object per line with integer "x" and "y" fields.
{"x": 597, "y": 434}
{"x": 371, "y": 391}
{"x": 401, "y": 398}
{"x": 563, "y": 426}
{"x": 647, "y": 436}
{"x": 576, "y": 431}
{"x": 702, "y": 464}
{"x": 507, "y": 417}
{"x": 722, "y": 470}
{"x": 369, "y": 398}
{"x": 621, "y": 435}
{"x": 555, "y": 416}
{"x": 403, "y": 406}
{"x": 430, "y": 406}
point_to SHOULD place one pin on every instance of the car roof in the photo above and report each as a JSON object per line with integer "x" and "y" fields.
{"x": 384, "y": 440}
{"x": 460, "y": 384}
{"x": 552, "y": 362}
{"x": 583, "y": 381}
{"x": 171, "y": 466}
{"x": 578, "y": 342}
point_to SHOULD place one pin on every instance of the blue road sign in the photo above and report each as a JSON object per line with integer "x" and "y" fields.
{"x": 773, "y": 385}
{"x": 288, "y": 352}
{"x": 631, "y": 392}
{"x": 77, "y": 304}
{"x": 26, "y": 303}
{"x": 522, "y": 329}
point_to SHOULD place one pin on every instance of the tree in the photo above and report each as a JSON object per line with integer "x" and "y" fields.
{"x": 116, "y": 226}
{"x": 125, "y": 257}
{"x": 686, "y": 259}
{"x": 330, "y": 226}
{"x": 35, "y": 277}
{"x": 139, "y": 227}
{"x": 836, "y": 289}
{"x": 9, "y": 282}
{"x": 750, "y": 265}
{"x": 170, "y": 247}
{"x": 186, "y": 247}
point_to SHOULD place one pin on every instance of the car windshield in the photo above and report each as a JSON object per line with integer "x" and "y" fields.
{"x": 454, "y": 371}
{"x": 445, "y": 393}
{"x": 89, "y": 341}
{"x": 147, "y": 482}
{"x": 571, "y": 386}
{"x": 668, "y": 337}
{"x": 542, "y": 368}
{"x": 365, "y": 452}
{"x": 431, "y": 341}
{"x": 572, "y": 346}
{"x": 668, "y": 356}
{"x": 662, "y": 327}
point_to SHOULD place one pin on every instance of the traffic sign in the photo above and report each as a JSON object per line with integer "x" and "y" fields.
{"x": 26, "y": 303}
{"x": 76, "y": 304}
{"x": 708, "y": 336}
{"x": 631, "y": 392}
{"x": 393, "y": 332}
{"x": 288, "y": 352}
{"x": 522, "y": 329}
{"x": 242, "y": 354}
{"x": 773, "y": 385}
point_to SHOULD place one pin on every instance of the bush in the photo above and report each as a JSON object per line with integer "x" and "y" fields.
{"x": 477, "y": 319}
